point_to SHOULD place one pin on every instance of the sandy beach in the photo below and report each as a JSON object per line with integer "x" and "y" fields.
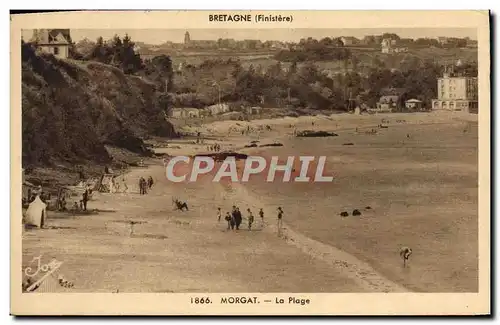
{"x": 418, "y": 176}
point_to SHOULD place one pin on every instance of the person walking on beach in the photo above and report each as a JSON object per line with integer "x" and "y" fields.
{"x": 145, "y": 186}
{"x": 150, "y": 181}
{"x": 219, "y": 214}
{"x": 261, "y": 215}
{"x": 142, "y": 186}
{"x": 124, "y": 184}
{"x": 239, "y": 218}
{"x": 250, "y": 219}
{"x": 233, "y": 217}
{"x": 85, "y": 198}
{"x": 229, "y": 219}
{"x": 280, "y": 220}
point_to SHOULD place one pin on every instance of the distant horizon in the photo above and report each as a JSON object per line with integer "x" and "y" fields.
{"x": 161, "y": 36}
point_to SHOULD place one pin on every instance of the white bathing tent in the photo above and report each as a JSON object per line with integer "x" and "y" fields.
{"x": 36, "y": 213}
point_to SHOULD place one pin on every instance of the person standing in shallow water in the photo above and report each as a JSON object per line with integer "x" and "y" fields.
{"x": 280, "y": 220}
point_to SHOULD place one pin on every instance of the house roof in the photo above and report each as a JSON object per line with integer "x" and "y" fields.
{"x": 387, "y": 99}
{"x": 52, "y": 36}
{"x": 413, "y": 100}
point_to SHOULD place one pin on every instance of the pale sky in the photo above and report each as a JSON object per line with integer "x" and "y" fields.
{"x": 159, "y": 36}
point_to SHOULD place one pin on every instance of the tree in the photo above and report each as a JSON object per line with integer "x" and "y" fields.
{"x": 308, "y": 73}
{"x": 129, "y": 61}
{"x": 369, "y": 40}
{"x": 391, "y": 36}
{"x": 327, "y": 41}
{"x": 337, "y": 42}
{"x": 293, "y": 68}
{"x": 73, "y": 53}
{"x": 160, "y": 71}
{"x": 274, "y": 71}
{"x": 101, "y": 52}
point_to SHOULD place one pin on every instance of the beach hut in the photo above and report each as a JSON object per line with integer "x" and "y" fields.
{"x": 414, "y": 104}
{"x": 36, "y": 213}
{"x": 105, "y": 184}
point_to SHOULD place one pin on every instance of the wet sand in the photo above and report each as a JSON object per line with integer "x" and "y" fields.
{"x": 422, "y": 192}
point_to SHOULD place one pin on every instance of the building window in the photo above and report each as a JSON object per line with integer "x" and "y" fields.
{"x": 56, "y": 51}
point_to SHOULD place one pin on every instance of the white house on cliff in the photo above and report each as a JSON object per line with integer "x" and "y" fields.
{"x": 54, "y": 41}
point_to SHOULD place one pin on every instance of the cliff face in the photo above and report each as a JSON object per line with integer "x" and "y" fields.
{"x": 71, "y": 109}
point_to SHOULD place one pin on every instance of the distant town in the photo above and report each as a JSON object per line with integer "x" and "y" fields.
{"x": 387, "y": 43}
{"x": 456, "y": 88}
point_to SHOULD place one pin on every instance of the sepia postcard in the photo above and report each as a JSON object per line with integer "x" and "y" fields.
{"x": 250, "y": 163}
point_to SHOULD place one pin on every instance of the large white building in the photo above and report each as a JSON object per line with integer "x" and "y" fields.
{"x": 456, "y": 93}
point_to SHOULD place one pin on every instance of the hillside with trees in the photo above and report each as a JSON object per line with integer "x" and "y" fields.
{"x": 107, "y": 94}
{"x": 304, "y": 85}
{"x": 72, "y": 109}
{"x": 313, "y": 74}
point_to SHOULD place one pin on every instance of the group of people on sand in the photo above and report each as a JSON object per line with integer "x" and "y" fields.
{"x": 216, "y": 147}
{"x": 145, "y": 185}
{"x": 235, "y": 218}
{"x": 60, "y": 203}
{"x": 78, "y": 206}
